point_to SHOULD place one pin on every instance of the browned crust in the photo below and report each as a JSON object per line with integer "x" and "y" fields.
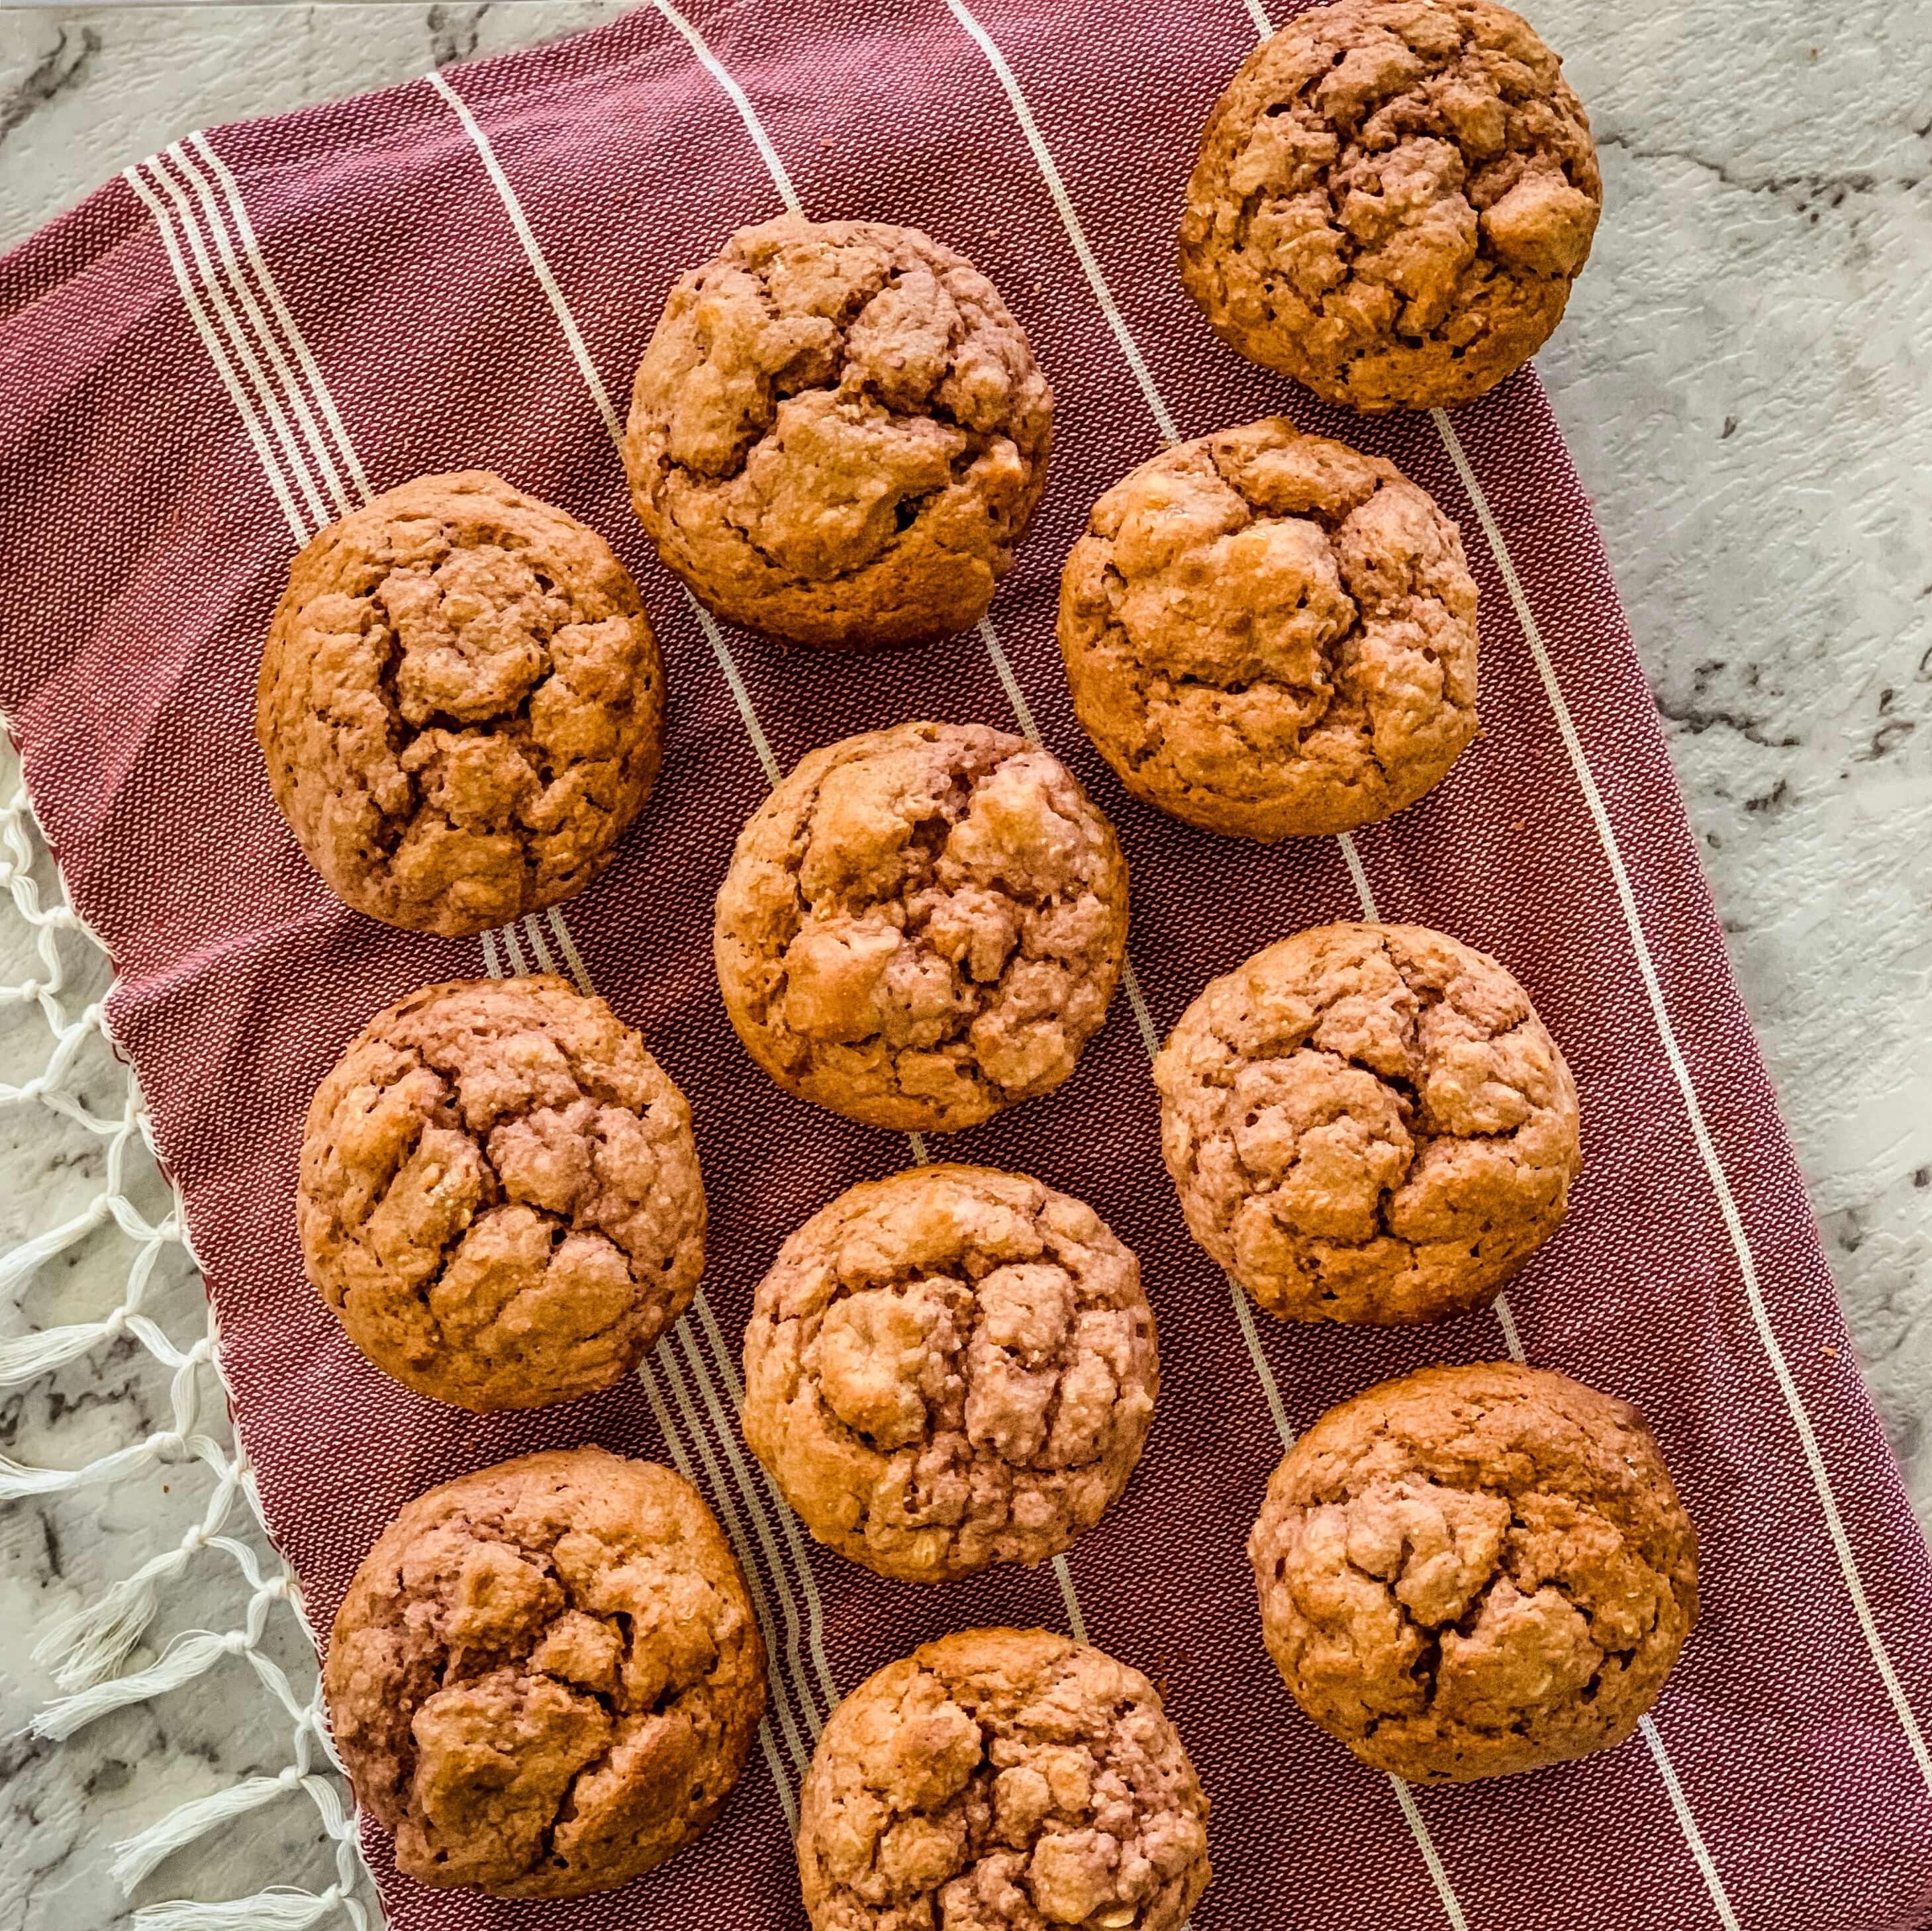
{"x": 1473, "y": 1571}
{"x": 838, "y": 433}
{"x": 997, "y": 1778}
{"x": 546, "y": 1675}
{"x": 460, "y": 704}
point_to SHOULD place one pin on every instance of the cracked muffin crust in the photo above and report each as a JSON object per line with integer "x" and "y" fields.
{"x": 545, "y": 1676}
{"x": 1473, "y": 1571}
{"x": 1368, "y": 1123}
{"x": 499, "y": 1194}
{"x": 1392, "y": 199}
{"x": 922, "y": 925}
{"x": 952, "y": 1367}
{"x": 838, "y": 433}
{"x": 1002, "y": 1781}
{"x": 1268, "y": 635}
{"x": 460, "y": 703}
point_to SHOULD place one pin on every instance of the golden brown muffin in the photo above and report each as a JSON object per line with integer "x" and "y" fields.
{"x": 1470, "y": 1572}
{"x": 997, "y": 1778}
{"x": 460, "y": 704}
{"x": 1270, "y": 635}
{"x": 500, "y": 1195}
{"x": 950, "y": 1368}
{"x": 1368, "y": 1123}
{"x": 545, "y": 1676}
{"x": 838, "y": 433}
{"x": 922, "y": 925}
{"x": 1392, "y": 199}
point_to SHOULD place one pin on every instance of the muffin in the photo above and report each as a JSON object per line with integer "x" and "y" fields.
{"x": 1002, "y": 1777}
{"x": 1392, "y": 199}
{"x": 1269, "y": 635}
{"x": 950, "y": 1368}
{"x": 1368, "y": 1123}
{"x": 922, "y": 925}
{"x": 461, "y": 705}
{"x": 546, "y": 1676}
{"x": 500, "y": 1197}
{"x": 838, "y": 433}
{"x": 1474, "y": 1571}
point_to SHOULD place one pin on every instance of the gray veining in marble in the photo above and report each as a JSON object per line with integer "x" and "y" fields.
{"x": 1745, "y": 379}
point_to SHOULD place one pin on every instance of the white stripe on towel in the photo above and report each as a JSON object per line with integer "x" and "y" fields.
{"x": 1727, "y": 1207}
{"x": 1358, "y": 875}
{"x": 733, "y": 1482}
{"x": 1002, "y": 668}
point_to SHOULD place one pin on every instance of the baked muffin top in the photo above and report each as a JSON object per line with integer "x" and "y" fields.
{"x": 1472, "y": 1571}
{"x": 1000, "y": 1777}
{"x": 500, "y": 1195}
{"x": 546, "y": 1675}
{"x": 1392, "y": 199}
{"x": 460, "y": 703}
{"x": 1270, "y": 634}
{"x": 950, "y": 1367}
{"x": 837, "y": 432}
{"x": 921, "y": 926}
{"x": 1368, "y": 1123}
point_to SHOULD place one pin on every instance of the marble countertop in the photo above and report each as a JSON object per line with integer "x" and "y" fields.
{"x": 1745, "y": 379}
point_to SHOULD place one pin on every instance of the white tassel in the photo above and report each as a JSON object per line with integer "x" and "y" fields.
{"x": 18, "y": 1479}
{"x": 18, "y": 1262}
{"x": 266, "y": 1910}
{"x": 95, "y": 1641}
{"x": 25, "y": 1357}
{"x": 99, "y": 1637}
{"x": 181, "y": 1662}
{"x": 137, "y": 1856}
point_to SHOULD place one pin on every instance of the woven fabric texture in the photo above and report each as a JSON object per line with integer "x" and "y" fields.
{"x": 259, "y": 328}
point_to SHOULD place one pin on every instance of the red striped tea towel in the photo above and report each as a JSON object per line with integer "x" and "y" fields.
{"x": 253, "y": 331}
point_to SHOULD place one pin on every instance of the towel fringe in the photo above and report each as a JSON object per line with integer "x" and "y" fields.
{"x": 135, "y": 1856}
{"x": 86, "y": 1652}
{"x": 25, "y": 1357}
{"x": 187, "y": 1657}
{"x": 277, "y": 1910}
{"x": 96, "y": 1640}
{"x": 19, "y": 1479}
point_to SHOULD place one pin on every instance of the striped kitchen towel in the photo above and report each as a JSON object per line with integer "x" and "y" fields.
{"x": 253, "y": 331}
